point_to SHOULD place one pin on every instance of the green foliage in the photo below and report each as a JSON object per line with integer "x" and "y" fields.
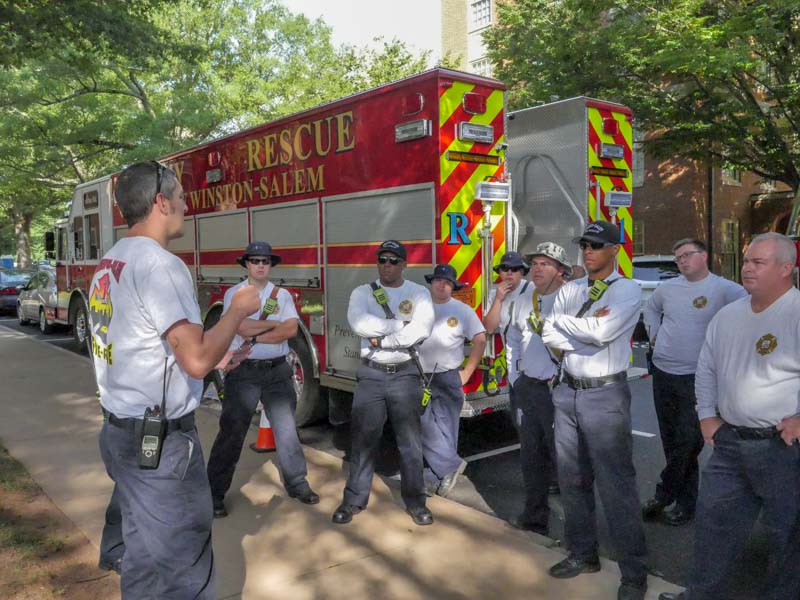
{"x": 139, "y": 79}
{"x": 714, "y": 78}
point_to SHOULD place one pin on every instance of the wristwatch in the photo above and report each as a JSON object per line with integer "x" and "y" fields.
{"x": 253, "y": 341}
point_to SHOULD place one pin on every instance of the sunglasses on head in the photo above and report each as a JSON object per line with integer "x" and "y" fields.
{"x": 593, "y": 245}
{"x": 504, "y": 268}
{"x": 392, "y": 260}
{"x": 259, "y": 261}
{"x": 159, "y": 173}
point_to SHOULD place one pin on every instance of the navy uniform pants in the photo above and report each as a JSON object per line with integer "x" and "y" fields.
{"x": 674, "y": 399}
{"x": 532, "y": 405}
{"x": 166, "y": 517}
{"x": 440, "y": 423}
{"x": 379, "y": 395}
{"x": 112, "y": 545}
{"x": 594, "y": 446}
{"x": 742, "y": 478}
{"x": 244, "y": 387}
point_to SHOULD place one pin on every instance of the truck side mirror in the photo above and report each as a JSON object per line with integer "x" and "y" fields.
{"x": 49, "y": 241}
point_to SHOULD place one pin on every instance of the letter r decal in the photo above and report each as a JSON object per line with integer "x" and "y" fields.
{"x": 458, "y": 226}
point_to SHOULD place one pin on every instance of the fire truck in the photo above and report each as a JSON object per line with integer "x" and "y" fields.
{"x": 422, "y": 160}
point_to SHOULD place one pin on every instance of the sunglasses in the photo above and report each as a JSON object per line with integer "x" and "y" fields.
{"x": 594, "y": 245}
{"x": 159, "y": 173}
{"x": 392, "y": 260}
{"x": 503, "y": 269}
{"x": 259, "y": 261}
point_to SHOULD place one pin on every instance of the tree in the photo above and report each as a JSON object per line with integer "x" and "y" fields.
{"x": 718, "y": 80}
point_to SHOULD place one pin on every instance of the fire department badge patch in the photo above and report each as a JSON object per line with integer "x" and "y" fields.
{"x": 452, "y": 321}
{"x": 406, "y": 307}
{"x": 766, "y": 344}
{"x": 700, "y": 302}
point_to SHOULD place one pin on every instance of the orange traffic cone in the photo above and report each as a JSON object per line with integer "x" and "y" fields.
{"x": 265, "y": 442}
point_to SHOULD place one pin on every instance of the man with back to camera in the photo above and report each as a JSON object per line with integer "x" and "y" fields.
{"x": 676, "y": 317}
{"x": 263, "y": 375}
{"x": 748, "y": 390}
{"x": 150, "y": 350}
{"x": 592, "y": 412}
{"x": 441, "y": 355}
{"x": 391, "y": 315}
{"x": 532, "y": 380}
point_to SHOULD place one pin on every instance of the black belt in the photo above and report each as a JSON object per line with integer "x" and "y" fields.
{"x": 755, "y": 433}
{"x": 264, "y": 363}
{"x": 185, "y": 423}
{"x": 585, "y": 383}
{"x": 387, "y": 368}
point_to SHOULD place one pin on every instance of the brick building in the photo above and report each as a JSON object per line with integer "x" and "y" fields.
{"x": 671, "y": 197}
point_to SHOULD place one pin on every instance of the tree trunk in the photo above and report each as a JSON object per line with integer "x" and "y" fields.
{"x": 22, "y": 235}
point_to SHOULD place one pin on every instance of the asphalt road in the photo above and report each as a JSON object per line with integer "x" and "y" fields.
{"x": 492, "y": 482}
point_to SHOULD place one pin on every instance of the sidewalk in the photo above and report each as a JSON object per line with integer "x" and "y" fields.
{"x": 272, "y": 546}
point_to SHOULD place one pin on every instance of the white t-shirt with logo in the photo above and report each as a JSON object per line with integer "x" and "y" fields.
{"x": 687, "y": 308}
{"x": 285, "y": 311}
{"x": 140, "y": 290}
{"x": 512, "y": 336}
{"x": 453, "y": 322}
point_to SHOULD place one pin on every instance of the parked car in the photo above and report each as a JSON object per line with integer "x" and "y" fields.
{"x": 37, "y": 301}
{"x": 649, "y": 271}
{"x": 11, "y": 282}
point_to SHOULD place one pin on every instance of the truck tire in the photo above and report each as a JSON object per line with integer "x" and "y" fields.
{"x": 311, "y": 404}
{"x": 214, "y": 376}
{"x": 79, "y": 319}
{"x": 44, "y": 326}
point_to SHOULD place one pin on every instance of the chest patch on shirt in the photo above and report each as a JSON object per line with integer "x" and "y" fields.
{"x": 452, "y": 321}
{"x": 700, "y": 302}
{"x": 406, "y": 306}
{"x": 766, "y": 344}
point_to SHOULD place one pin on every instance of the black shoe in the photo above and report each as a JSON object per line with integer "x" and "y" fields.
{"x": 220, "y": 512}
{"x": 307, "y": 496}
{"x": 111, "y": 565}
{"x": 421, "y": 515}
{"x": 572, "y": 567}
{"x": 344, "y": 514}
{"x": 523, "y": 524}
{"x": 553, "y": 489}
{"x": 631, "y": 591}
{"x": 676, "y": 516}
{"x": 672, "y": 596}
{"x": 449, "y": 481}
{"x": 653, "y": 508}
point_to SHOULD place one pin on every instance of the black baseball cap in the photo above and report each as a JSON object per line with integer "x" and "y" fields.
{"x": 445, "y": 272}
{"x": 259, "y": 249}
{"x": 394, "y": 247}
{"x": 512, "y": 259}
{"x": 603, "y": 232}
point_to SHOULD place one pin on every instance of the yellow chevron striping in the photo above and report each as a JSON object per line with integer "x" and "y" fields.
{"x": 451, "y": 100}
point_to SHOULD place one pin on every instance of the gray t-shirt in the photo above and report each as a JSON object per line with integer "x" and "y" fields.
{"x": 138, "y": 292}
{"x": 677, "y": 315}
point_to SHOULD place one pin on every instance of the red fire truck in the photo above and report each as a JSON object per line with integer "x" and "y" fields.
{"x": 421, "y": 160}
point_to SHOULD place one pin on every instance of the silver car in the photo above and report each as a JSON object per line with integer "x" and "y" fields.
{"x": 37, "y": 301}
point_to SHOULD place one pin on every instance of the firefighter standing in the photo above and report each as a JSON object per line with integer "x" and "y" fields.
{"x": 441, "y": 356}
{"x": 263, "y": 375}
{"x": 390, "y": 315}
{"x": 676, "y": 317}
{"x": 531, "y": 382}
{"x": 592, "y": 412}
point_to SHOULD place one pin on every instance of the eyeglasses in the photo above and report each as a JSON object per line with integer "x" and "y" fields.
{"x": 392, "y": 260}
{"x": 594, "y": 245}
{"x": 259, "y": 261}
{"x": 504, "y": 268}
{"x": 686, "y": 255}
{"x": 159, "y": 172}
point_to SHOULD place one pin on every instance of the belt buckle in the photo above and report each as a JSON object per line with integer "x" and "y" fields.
{"x": 391, "y": 369}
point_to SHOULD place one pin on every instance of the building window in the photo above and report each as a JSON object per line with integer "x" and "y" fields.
{"x": 638, "y": 237}
{"x": 481, "y": 13}
{"x": 731, "y": 176}
{"x": 638, "y": 158}
{"x": 482, "y": 66}
{"x": 729, "y": 248}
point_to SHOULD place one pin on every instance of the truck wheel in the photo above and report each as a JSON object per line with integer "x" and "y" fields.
{"x": 311, "y": 406}
{"x": 44, "y": 326}
{"x": 80, "y": 326}
{"x": 22, "y": 320}
{"x": 214, "y": 376}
